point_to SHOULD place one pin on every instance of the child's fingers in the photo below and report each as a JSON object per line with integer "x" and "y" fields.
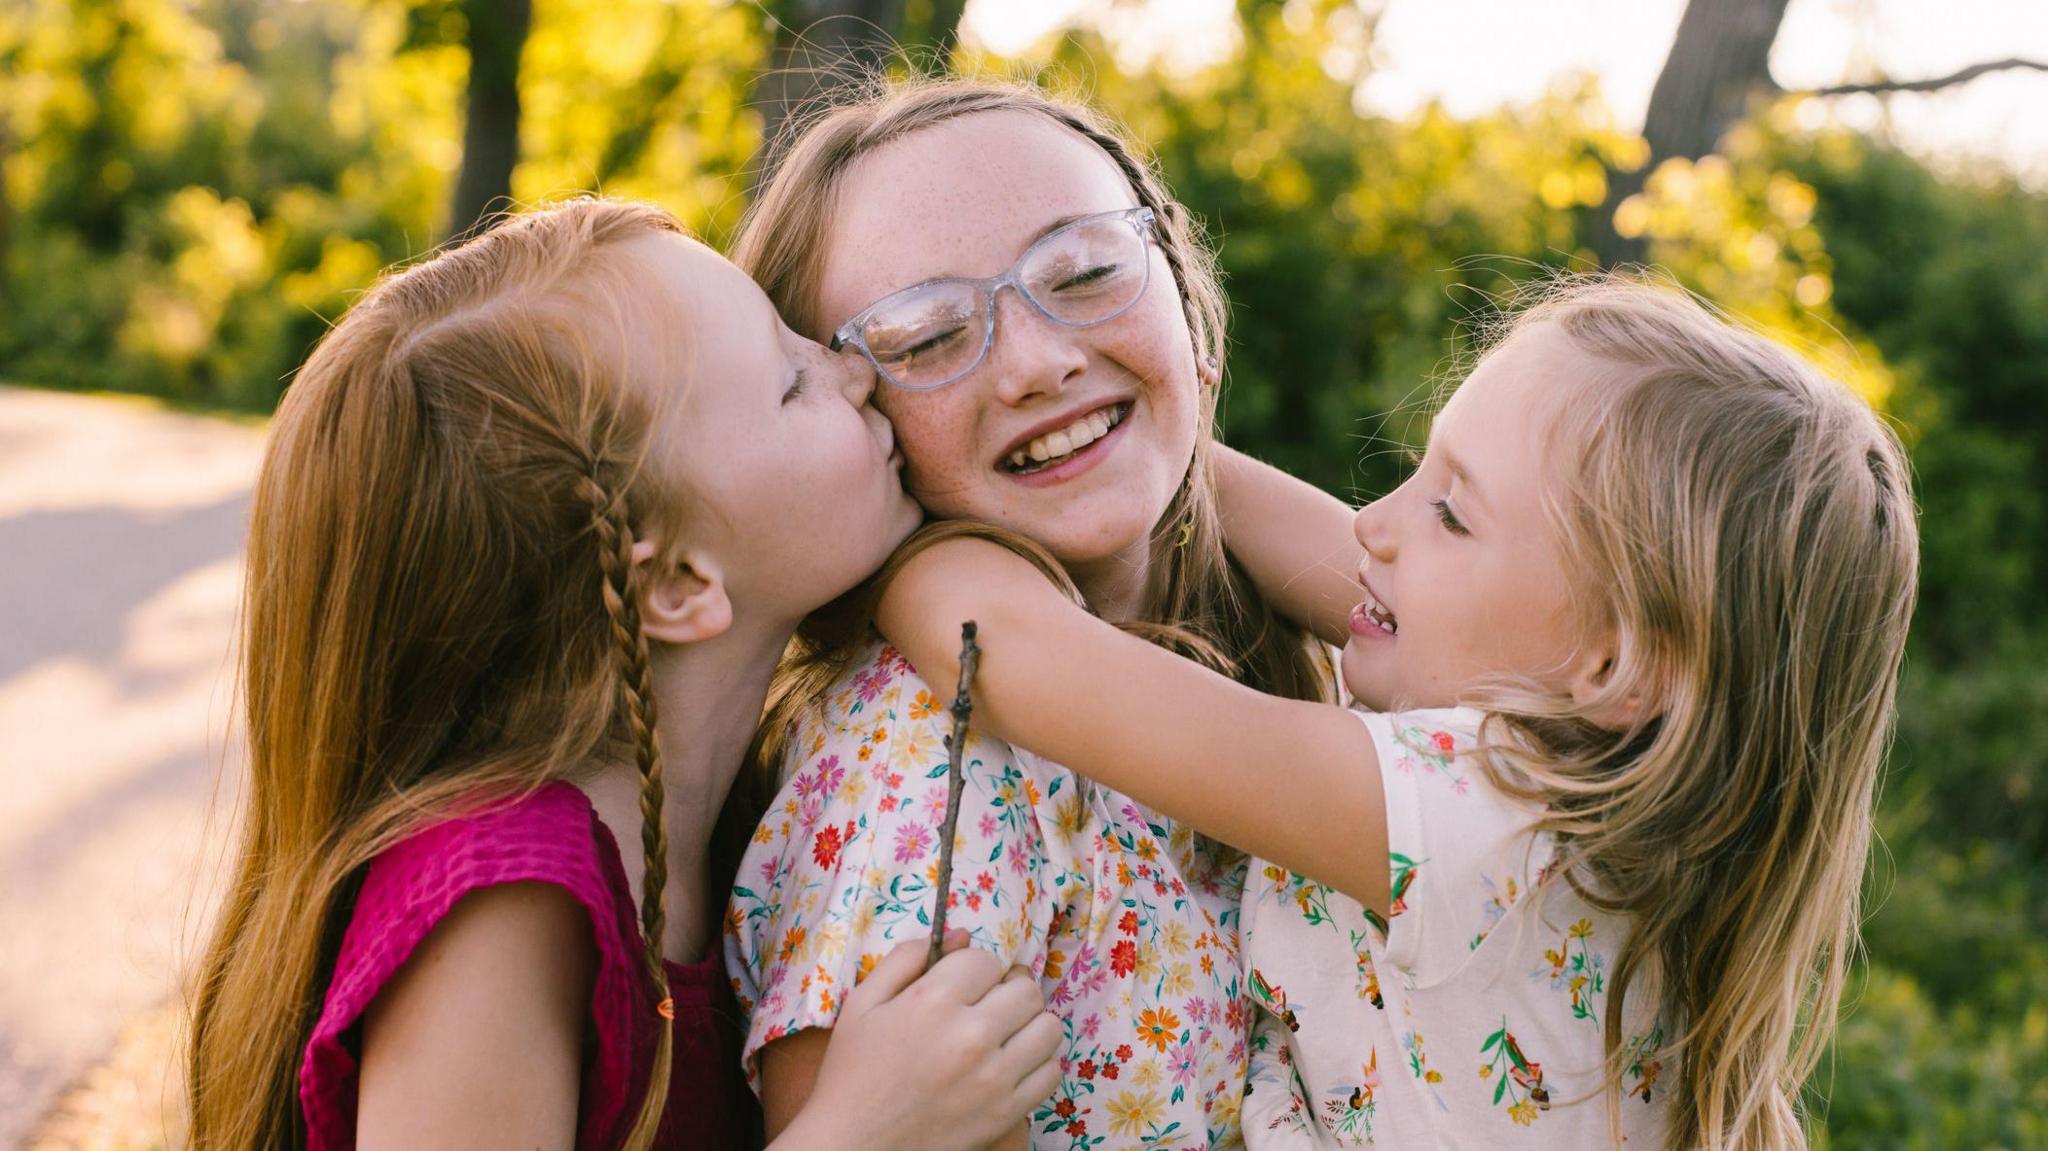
{"x": 956, "y": 938}
{"x": 963, "y": 976}
{"x": 1028, "y": 1050}
{"x": 1039, "y": 1084}
{"x": 1010, "y": 1004}
{"x": 896, "y": 971}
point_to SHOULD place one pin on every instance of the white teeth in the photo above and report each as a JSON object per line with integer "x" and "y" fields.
{"x": 1380, "y": 615}
{"x": 1069, "y": 439}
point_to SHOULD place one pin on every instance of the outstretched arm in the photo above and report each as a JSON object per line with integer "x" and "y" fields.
{"x": 1294, "y": 539}
{"x": 1294, "y": 782}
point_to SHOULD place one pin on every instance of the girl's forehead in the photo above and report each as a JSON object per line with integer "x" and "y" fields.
{"x": 960, "y": 198}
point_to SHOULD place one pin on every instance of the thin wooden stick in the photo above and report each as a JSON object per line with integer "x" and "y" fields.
{"x": 956, "y": 780}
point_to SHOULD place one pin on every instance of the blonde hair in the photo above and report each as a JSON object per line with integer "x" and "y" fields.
{"x": 1199, "y": 601}
{"x": 440, "y": 615}
{"x": 1746, "y": 527}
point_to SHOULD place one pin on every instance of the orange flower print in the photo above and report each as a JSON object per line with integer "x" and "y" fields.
{"x": 1158, "y": 1026}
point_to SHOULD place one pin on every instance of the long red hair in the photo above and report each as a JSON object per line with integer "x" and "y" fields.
{"x": 440, "y": 613}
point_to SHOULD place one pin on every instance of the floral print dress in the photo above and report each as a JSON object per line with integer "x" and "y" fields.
{"x": 1128, "y": 919}
{"x": 1473, "y": 1014}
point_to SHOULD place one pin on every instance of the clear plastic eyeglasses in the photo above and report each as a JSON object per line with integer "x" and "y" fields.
{"x": 1083, "y": 273}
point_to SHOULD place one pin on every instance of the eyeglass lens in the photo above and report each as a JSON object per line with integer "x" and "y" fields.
{"x": 1080, "y": 275}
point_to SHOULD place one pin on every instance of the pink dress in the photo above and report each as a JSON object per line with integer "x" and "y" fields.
{"x": 552, "y": 836}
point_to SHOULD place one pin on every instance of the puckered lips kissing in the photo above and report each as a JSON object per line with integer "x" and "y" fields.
{"x": 1065, "y": 446}
{"x": 1372, "y": 618}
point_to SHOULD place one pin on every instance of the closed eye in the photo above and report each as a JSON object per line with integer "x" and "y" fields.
{"x": 1449, "y": 518}
{"x": 796, "y": 387}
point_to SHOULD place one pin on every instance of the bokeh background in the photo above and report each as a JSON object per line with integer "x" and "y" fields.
{"x": 192, "y": 190}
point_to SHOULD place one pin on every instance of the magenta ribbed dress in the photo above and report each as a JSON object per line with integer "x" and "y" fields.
{"x": 553, "y": 836}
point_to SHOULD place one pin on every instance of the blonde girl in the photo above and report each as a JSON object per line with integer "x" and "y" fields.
{"x": 1583, "y": 864}
{"x": 535, "y": 522}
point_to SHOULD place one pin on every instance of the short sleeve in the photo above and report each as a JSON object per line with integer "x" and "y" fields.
{"x": 842, "y": 868}
{"x": 1460, "y": 852}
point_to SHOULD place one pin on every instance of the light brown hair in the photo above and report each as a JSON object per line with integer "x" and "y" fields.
{"x": 1199, "y": 601}
{"x": 440, "y": 615}
{"x": 1746, "y": 527}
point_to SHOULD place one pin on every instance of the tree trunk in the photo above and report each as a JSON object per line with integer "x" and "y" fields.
{"x": 819, "y": 44}
{"x": 490, "y": 133}
{"x": 1719, "y": 60}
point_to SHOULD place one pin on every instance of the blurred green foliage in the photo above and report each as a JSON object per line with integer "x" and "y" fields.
{"x": 194, "y": 189}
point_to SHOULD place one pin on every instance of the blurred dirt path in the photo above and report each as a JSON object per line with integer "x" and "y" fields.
{"x": 121, "y": 530}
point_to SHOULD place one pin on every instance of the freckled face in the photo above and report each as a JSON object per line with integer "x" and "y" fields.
{"x": 966, "y": 198}
{"x": 1462, "y": 559}
{"x": 791, "y": 472}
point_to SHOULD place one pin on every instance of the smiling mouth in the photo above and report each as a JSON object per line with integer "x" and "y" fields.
{"x": 1378, "y": 615}
{"x": 1057, "y": 447}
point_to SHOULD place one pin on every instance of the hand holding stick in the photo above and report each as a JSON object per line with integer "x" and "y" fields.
{"x": 956, "y": 747}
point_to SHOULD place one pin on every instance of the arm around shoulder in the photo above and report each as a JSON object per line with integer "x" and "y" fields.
{"x": 477, "y": 1040}
{"x": 1294, "y": 782}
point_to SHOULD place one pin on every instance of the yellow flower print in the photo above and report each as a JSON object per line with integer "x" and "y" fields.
{"x": 1523, "y": 1113}
{"x": 1173, "y": 936}
{"x": 1055, "y": 964}
{"x": 1069, "y": 817}
{"x": 1179, "y": 982}
{"x": 868, "y": 959}
{"x": 1147, "y": 1075}
{"x": 919, "y": 748}
{"x": 1583, "y": 929}
{"x": 924, "y": 706}
{"x": 1147, "y": 968}
{"x": 1131, "y": 1113}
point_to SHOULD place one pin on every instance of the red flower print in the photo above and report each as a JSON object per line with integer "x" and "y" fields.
{"x": 1077, "y": 1127}
{"x": 1443, "y": 741}
{"x": 1086, "y": 1071}
{"x": 825, "y": 848}
{"x": 1129, "y": 923}
{"x": 1123, "y": 958}
{"x": 1109, "y": 1069}
{"x": 1064, "y": 1109}
{"x": 1123, "y": 1052}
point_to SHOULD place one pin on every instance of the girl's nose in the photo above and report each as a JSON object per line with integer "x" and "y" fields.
{"x": 1032, "y": 355}
{"x": 859, "y": 375}
{"x": 1371, "y": 527}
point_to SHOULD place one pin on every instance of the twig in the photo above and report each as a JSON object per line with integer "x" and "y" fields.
{"x": 1957, "y": 77}
{"x": 956, "y": 779}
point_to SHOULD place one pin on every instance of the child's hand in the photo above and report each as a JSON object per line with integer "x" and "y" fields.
{"x": 947, "y": 1058}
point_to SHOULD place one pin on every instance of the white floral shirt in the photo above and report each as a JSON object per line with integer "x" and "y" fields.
{"x": 1473, "y": 1015}
{"x": 1128, "y": 919}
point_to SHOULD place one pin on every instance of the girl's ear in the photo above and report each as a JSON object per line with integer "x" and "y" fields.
{"x": 682, "y": 601}
{"x": 1592, "y": 678}
{"x": 1209, "y": 371}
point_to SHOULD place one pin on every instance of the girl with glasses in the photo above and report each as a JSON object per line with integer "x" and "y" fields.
{"x": 1049, "y": 330}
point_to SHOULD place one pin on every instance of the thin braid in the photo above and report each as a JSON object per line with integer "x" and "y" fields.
{"x": 615, "y": 556}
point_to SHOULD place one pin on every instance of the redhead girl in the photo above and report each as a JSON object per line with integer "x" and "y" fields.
{"x": 1076, "y": 326}
{"x": 1582, "y": 867}
{"x": 535, "y": 522}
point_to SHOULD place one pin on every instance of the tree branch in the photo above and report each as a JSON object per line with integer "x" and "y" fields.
{"x": 1953, "y": 78}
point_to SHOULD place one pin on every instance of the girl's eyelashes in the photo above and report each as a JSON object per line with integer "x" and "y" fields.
{"x": 1449, "y": 518}
{"x": 796, "y": 387}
